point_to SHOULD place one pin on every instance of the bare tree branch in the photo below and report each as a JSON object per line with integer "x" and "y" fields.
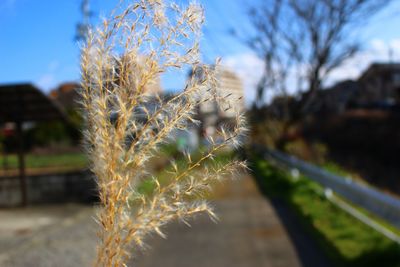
{"x": 305, "y": 40}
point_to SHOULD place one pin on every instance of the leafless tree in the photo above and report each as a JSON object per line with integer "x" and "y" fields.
{"x": 302, "y": 41}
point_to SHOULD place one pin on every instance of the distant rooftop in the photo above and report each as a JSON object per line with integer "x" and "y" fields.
{"x": 25, "y": 102}
{"x": 380, "y": 67}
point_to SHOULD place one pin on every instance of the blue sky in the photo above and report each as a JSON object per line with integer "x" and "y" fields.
{"x": 37, "y": 40}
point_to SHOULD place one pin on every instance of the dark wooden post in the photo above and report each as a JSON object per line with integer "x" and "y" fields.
{"x": 21, "y": 163}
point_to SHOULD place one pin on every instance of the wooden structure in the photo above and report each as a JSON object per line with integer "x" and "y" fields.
{"x": 21, "y": 103}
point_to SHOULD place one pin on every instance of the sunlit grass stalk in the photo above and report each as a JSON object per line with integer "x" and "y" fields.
{"x": 125, "y": 126}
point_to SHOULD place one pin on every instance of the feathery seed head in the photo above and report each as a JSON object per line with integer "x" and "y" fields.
{"x": 126, "y": 123}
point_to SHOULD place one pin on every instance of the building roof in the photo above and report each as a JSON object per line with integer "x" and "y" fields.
{"x": 25, "y": 102}
{"x": 66, "y": 95}
{"x": 379, "y": 68}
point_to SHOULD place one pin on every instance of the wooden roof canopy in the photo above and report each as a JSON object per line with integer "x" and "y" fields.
{"x": 25, "y": 102}
{"x": 21, "y": 103}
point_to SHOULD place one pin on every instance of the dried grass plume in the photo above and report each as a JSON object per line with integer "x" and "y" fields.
{"x": 125, "y": 127}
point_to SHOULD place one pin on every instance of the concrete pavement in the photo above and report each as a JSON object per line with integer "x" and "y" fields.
{"x": 249, "y": 234}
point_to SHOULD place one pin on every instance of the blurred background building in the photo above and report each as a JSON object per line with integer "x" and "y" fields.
{"x": 213, "y": 113}
{"x": 381, "y": 84}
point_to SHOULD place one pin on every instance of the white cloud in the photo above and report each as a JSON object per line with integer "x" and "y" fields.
{"x": 377, "y": 51}
{"x": 249, "y": 67}
{"x": 46, "y": 81}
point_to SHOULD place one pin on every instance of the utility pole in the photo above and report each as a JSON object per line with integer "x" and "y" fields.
{"x": 82, "y": 28}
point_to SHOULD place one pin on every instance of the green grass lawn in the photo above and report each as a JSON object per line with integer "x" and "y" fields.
{"x": 341, "y": 172}
{"x": 78, "y": 160}
{"x": 147, "y": 186}
{"x": 347, "y": 241}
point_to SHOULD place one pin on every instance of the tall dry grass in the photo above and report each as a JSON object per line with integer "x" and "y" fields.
{"x": 125, "y": 126}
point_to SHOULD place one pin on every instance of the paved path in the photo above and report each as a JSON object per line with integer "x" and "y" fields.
{"x": 62, "y": 236}
{"x": 249, "y": 234}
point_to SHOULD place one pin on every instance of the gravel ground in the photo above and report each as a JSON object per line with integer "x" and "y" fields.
{"x": 62, "y": 236}
{"x": 249, "y": 234}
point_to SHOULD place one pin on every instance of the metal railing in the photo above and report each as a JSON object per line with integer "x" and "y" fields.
{"x": 377, "y": 203}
